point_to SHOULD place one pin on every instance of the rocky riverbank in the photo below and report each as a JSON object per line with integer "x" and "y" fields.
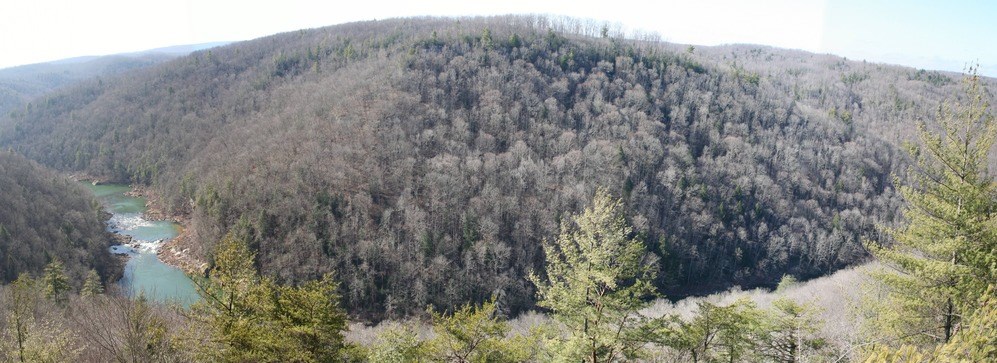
{"x": 176, "y": 251}
{"x": 139, "y": 240}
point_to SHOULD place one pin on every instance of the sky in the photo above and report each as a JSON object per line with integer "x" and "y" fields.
{"x": 946, "y": 35}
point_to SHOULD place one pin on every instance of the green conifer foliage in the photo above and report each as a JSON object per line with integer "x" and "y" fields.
{"x": 92, "y": 285}
{"x": 596, "y": 281}
{"x": 791, "y": 333}
{"x": 473, "y": 334}
{"x": 56, "y": 284}
{"x": 976, "y": 342}
{"x": 252, "y": 318}
{"x": 946, "y": 253}
{"x": 715, "y": 333}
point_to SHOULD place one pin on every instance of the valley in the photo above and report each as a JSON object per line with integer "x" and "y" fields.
{"x": 426, "y": 170}
{"x": 501, "y": 189}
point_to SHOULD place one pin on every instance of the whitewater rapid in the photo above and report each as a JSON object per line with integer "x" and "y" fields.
{"x": 131, "y": 225}
{"x": 144, "y": 273}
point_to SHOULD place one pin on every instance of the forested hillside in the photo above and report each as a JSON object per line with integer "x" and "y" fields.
{"x": 423, "y": 161}
{"x": 46, "y": 217}
{"x": 19, "y": 85}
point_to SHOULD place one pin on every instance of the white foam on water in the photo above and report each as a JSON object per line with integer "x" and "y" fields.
{"x": 130, "y": 222}
{"x": 146, "y": 246}
{"x": 137, "y": 246}
{"x": 127, "y": 222}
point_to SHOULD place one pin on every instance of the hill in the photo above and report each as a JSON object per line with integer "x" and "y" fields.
{"x": 19, "y": 85}
{"x": 46, "y": 216}
{"x": 424, "y": 160}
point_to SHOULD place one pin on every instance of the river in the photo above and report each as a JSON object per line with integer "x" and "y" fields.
{"x": 144, "y": 273}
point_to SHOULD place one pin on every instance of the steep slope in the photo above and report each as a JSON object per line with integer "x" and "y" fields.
{"x": 424, "y": 160}
{"x": 47, "y": 216}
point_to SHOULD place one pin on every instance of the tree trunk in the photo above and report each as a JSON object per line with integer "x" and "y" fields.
{"x": 948, "y": 320}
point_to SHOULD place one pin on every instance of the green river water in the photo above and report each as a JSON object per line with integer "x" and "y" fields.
{"x": 144, "y": 273}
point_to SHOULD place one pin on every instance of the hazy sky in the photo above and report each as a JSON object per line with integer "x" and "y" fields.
{"x": 921, "y": 33}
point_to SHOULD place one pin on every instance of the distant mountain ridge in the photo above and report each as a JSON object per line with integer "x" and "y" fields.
{"x": 183, "y": 49}
{"x": 424, "y": 161}
{"x": 20, "y": 84}
{"x": 175, "y": 50}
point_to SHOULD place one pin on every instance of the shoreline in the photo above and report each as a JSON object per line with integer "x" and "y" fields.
{"x": 174, "y": 252}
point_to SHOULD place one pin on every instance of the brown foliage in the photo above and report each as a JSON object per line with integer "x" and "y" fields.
{"x": 423, "y": 163}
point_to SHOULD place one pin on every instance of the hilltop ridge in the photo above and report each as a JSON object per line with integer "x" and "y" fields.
{"x": 424, "y": 160}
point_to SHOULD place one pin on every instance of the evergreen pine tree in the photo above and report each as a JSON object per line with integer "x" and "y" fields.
{"x": 976, "y": 342}
{"x": 790, "y": 332}
{"x": 596, "y": 283}
{"x": 252, "y": 318}
{"x": 92, "y": 285}
{"x": 716, "y": 333}
{"x": 56, "y": 284}
{"x": 472, "y": 334}
{"x": 946, "y": 252}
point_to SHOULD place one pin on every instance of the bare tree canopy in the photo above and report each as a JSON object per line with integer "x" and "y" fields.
{"x": 423, "y": 160}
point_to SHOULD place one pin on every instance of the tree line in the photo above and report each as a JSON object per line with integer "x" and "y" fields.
{"x": 596, "y": 283}
{"x": 20, "y": 85}
{"x": 422, "y": 161}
